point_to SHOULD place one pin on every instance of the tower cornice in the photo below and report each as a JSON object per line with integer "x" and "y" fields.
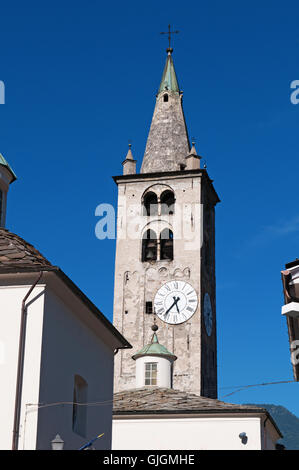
{"x": 157, "y": 176}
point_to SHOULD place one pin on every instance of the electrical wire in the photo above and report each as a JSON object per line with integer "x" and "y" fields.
{"x": 244, "y": 387}
{"x": 109, "y": 402}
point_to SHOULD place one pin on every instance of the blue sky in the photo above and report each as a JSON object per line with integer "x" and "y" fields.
{"x": 81, "y": 79}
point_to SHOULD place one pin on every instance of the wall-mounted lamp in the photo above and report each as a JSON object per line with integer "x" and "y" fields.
{"x": 57, "y": 443}
{"x": 243, "y": 437}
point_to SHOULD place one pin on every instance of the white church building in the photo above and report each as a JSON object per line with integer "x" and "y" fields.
{"x": 166, "y": 387}
{"x": 56, "y": 350}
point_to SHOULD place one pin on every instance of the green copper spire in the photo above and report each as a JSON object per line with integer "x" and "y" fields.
{"x": 167, "y": 144}
{"x": 169, "y": 81}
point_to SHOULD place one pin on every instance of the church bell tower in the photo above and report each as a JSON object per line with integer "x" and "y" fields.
{"x": 165, "y": 251}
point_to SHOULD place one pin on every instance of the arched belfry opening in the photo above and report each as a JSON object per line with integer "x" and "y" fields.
{"x": 165, "y": 98}
{"x": 149, "y": 246}
{"x": 166, "y": 244}
{"x": 150, "y": 204}
{"x": 167, "y": 202}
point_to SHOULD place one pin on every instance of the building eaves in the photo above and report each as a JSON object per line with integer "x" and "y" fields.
{"x": 168, "y": 174}
{"x": 18, "y": 256}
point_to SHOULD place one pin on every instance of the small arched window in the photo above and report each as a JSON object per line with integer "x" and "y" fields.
{"x": 165, "y": 98}
{"x": 79, "y": 411}
{"x": 149, "y": 246}
{"x": 167, "y": 202}
{"x": 150, "y": 204}
{"x": 166, "y": 244}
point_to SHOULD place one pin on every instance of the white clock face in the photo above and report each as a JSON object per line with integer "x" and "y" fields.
{"x": 175, "y": 302}
{"x": 208, "y": 314}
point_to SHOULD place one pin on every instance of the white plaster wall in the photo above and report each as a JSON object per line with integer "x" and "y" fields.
{"x": 10, "y": 314}
{"x": 73, "y": 344}
{"x": 207, "y": 433}
{"x": 163, "y": 371}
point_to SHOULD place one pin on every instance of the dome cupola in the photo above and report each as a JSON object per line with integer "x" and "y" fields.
{"x": 154, "y": 364}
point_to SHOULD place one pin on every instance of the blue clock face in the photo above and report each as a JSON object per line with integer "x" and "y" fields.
{"x": 208, "y": 314}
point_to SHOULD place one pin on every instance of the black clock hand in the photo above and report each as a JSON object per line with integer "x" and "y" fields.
{"x": 169, "y": 308}
{"x": 176, "y": 304}
{"x": 176, "y": 299}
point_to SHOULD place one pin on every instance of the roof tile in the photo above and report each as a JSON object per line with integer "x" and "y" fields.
{"x": 16, "y": 252}
{"x": 157, "y": 399}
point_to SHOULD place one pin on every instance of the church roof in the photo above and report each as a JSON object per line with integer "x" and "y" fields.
{"x": 154, "y": 348}
{"x": 163, "y": 401}
{"x": 16, "y": 252}
{"x": 155, "y": 400}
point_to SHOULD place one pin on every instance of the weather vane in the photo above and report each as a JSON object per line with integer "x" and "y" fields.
{"x": 169, "y": 32}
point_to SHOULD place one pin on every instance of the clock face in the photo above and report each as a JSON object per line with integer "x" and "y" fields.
{"x": 208, "y": 314}
{"x": 175, "y": 302}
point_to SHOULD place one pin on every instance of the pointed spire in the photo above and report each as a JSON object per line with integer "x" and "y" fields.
{"x": 168, "y": 143}
{"x": 193, "y": 149}
{"x": 169, "y": 80}
{"x": 155, "y": 338}
{"x": 129, "y": 154}
{"x": 129, "y": 164}
{"x": 193, "y": 159}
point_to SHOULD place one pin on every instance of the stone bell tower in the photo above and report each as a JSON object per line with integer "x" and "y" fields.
{"x": 165, "y": 251}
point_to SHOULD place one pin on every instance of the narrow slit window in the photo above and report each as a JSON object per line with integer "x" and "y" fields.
{"x": 148, "y": 307}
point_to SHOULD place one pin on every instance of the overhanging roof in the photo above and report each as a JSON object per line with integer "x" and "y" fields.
{"x": 19, "y": 256}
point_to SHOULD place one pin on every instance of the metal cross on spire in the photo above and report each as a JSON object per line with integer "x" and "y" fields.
{"x": 169, "y": 32}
